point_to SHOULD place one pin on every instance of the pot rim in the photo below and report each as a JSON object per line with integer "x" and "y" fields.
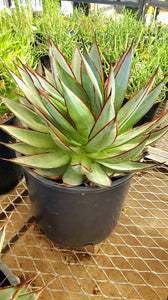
{"x": 53, "y": 184}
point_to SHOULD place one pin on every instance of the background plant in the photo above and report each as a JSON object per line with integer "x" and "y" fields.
{"x": 113, "y": 34}
{"x": 78, "y": 125}
{"x": 15, "y": 42}
{"x": 18, "y": 38}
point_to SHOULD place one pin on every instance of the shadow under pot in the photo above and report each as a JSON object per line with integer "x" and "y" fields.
{"x": 10, "y": 173}
{"x": 76, "y": 216}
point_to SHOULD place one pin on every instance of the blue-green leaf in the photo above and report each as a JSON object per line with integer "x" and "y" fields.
{"x": 107, "y": 114}
{"x": 52, "y": 160}
{"x": 91, "y": 85}
{"x": 76, "y": 64}
{"x": 128, "y": 114}
{"x": 53, "y": 173}
{"x": 72, "y": 178}
{"x": 27, "y": 149}
{"x": 98, "y": 176}
{"x": 122, "y": 73}
{"x": 25, "y": 114}
{"x": 73, "y": 84}
{"x": 79, "y": 112}
{"x": 104, "y": 138}
{"x": 59, "y": 57}
{"x": 95, "y": 55}
{"x": 30, "y": 137}
{"x": 94, "y": 69}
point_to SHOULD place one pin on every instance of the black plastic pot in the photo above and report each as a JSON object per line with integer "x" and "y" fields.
{"x": 45, "y": 60}
{"x": 75, "y": 216}
{"x": 10, "y": 174}
{"x": 6, "y": 275}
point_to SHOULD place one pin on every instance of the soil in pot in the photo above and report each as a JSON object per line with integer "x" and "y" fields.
{"x": 10, "y": 173}
{"x": 75, "y": 216}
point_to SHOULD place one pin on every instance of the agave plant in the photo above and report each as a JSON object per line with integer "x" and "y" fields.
{"x": 75, "y": 124}
{"x": 17, "y": 292}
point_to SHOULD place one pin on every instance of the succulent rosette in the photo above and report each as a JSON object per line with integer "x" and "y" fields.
{"x": 75, "y": 126}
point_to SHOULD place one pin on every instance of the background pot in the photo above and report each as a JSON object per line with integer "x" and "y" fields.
{"x": 6, "y": 275}
{"x": 10, "y": 174}
{"x": 75, "y": 216}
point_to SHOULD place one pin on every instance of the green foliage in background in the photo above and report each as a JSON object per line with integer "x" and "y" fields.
{"x": 113, "y": 34}
{"x": 15, "y": 42}
{"x": 25, "y": 34}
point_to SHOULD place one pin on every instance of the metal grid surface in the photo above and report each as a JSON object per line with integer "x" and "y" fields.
{"x": 131, "y": 264}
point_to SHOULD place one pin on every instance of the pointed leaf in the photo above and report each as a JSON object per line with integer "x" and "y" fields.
{"x": 49, "y": 76}
{"x": 94, "y": 69}
{"x": 90, "y": 84}
{"x": 25, "y": 114}
{"x": 155, "y": 135}
{"x": 107, "y": 114}
{"x": 108, "y": 171}
{"x": 27, "y": 149}
{"x": 79, "y": 112}
{"x": 59, "y": 136}
{"x": 136, "y": 131}
{"x": 125, "y": 156}
{"x": 104, "y": 138}
{"x": 55, "y": 73}
{"x": 72, "y": 178}
{"x": 73, "y": 84}
{"x": 121, "y": 149}
{"x": 23, "y": 100}
{"x": 145, "y": 105}
{"x": 51, "y": 173}
{"x": 63, "y": 121}
{"x": 48, "y": 87}
{"x": 52, "y": 160}
{"x": 85, "y": 165}
{"x": 130, "y": 166}
{"x": 29, "y": 78}
{"x": 30, "y": 137}
{"x": 30, "y": 92}
{"x": 59, "y": 57}
{"x": 128, "y": 113}
{"x": 60, "y": 139}
{"x": 122, "y": 73}
{"x": 61, "y": 107}
{"x": 76, "y": 64}
{"x": 95, "y": 55}
{"x": 110, "y": 85}
{"x": 98, "y": 176}
{"x": 81, "y": 164}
